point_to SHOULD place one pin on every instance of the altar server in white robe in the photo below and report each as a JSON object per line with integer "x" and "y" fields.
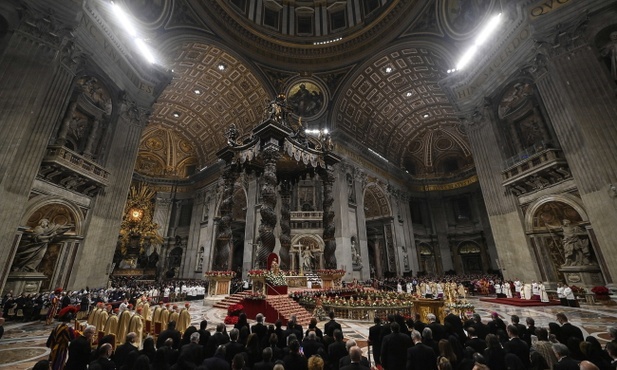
{"x": 543, "y": 294}
{"x": 527, "y": 291}
{"x": 507, "y": 289}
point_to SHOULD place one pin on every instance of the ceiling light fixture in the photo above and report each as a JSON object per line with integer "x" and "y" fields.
{"x": 486, "y": 32}
{"x": 197, "y": 91}
{"x": 176, "y": 114}
{"x": 408, "y": 94}
{"x": 221, "y": 67}
{"x": 388, "y": 69}
{"x": 425, "y": 115}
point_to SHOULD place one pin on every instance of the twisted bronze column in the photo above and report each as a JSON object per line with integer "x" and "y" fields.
{"x": 327, "y": 176}
{"x": 285, "y": 237}
{"x": 270, "y": 156}
{"x": 224, "y": 239}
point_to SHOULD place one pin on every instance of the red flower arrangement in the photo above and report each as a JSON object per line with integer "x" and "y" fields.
{"x": 231, "y": 320}
{"x": 227, "y": 273}
{"x": 255, "y": 296}
{"x": 600, "y": 290}
{"x": 577, "y": 290}
{"x": 235, "y": 309}
{"x": 331, "y": 272}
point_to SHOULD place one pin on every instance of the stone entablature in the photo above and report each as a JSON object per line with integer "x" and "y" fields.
{"x": 73, "y": 171}
{"x": 536, "y": 172}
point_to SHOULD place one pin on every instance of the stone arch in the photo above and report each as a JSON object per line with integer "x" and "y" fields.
{"x": 426, "y": 258}
{"x": 43, "y": 207}
{"x": 312, "y": 241}
{"x": 470, "y": 253}
{"x": 569, "y": 200}
{"x": 376, "y": 202}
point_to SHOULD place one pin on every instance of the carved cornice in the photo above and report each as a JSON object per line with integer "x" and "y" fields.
{"x": 565, "y": 38}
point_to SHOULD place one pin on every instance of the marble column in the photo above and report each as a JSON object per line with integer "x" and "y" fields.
{"x": 511, "y": 244}
{"x": 249, "y": 230}
{"x": 106, "y": 216}
{"x": 580, "y": 99}
{"x": 31, "y": 103}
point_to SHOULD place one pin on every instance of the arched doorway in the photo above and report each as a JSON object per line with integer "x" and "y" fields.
{"x": 471, "y": 257}
{"x": 379, "y": 232}
{"x": 427, "y": 259}
{"x": 49, "y": 244}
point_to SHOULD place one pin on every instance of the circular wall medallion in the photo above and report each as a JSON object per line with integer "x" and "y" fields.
{"x": 307, "y": 98}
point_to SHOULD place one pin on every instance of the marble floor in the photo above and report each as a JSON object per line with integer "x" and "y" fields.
{"x": 24, "y": 343}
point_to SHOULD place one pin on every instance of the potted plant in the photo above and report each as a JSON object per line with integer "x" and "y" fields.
{"x": 601, "y": 292}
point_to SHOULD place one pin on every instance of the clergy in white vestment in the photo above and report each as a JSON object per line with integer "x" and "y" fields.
{"x": 507, "y": 289}
{"x": 518, "y": 287}
{"x": 543, "y": 294}
{"x": 527, "y": 291}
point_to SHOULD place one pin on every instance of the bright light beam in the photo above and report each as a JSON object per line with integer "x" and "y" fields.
{"x": 145, "y": 50}
{"x": 482, "y": 37}
{"x": 124, "y": 20}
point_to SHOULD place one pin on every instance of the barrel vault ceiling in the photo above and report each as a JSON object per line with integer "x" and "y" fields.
{"x": 377, "y": 75}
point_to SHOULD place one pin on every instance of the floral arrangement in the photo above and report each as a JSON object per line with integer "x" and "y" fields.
{"x": 275, "y": 279}
{"x": 330, "y": 272}
{"x": 326, "y": 292}
{"x": 361, "y": 299}
{"x": 227, "y": 273}
{"x": 233, "y": 312}
{"x": 255, "y": 296}
{"x": 235, "y": 309}
{"x": 257, "y": 273}
{"x": 600, "y": 290}
{"x": 577, "y": 290}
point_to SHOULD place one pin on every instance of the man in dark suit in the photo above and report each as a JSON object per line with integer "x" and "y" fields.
{"x": 474, "y": 342}
{"x": 204, "y": 334}
{"x": 496, "y": 324}
{"x": 80, "y": 353}
{"x": 294, "y": 359}
{"x": 311, "y": 344}
{"x": 217, "y": 339}
{"x": 233, "y": 347}
{"x": 355, "y": 355}
{"x": 217, "y": 362}
{"x": 567, "y": 330}
{"x": 564, "y": 362}
{"x": 122, "y": 352}
{"x": 522, "y": 329}
{"x": 259, "y": 328}
{"x": 439, "y": 332}
{"x": 331, "y": 325}
{"x": 374, "y": 339}
{"x": 516, "y": 345}
{"x": 611, "y": 349}
{"x": 170, "y": 332}
{"x": 337, "y": 350}
{"x": 267, "y": 363}
{"x": 529, "y": 330}
{"x": 191, "y": 355}
{"x": 394, "y": 349}
{"x": 103, "y": 360}
{"x": 294, "y": 328}
{"x": 344, "y": 361}
{"x": 481, "y": 328}
{"x": 420, "y": 356}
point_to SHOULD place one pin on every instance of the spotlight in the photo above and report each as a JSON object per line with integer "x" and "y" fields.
{"x": 425, "y": 115}
{"x": 408, "y": 94}
{"x": 176, "y": 114}
{"x": 197, "y": 91}
{"x": 221, "y": 67}
{"x": 388, "y": 69}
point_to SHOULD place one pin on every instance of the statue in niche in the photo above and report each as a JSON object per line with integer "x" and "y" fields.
{"x": 576, "y": 250}
{"x": 609, "y": 50}
{"x": 356, "y": 259}
{"x": 200, "y": 259}
{"x": 34, "y": 244}
{"x": 307, "y": 258}
{"x": 351, "y": 189}
{"x": 153, "y": 259}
